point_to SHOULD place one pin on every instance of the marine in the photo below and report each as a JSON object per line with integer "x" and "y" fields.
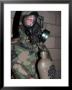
{"x": 24, "y": 50}
{"x": 24, "y": 57}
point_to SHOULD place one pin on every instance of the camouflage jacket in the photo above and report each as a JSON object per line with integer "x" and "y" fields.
{"x": 23, "y": 58}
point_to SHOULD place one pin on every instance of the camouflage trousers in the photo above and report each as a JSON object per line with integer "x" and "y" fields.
{"x": 23, "y": 61}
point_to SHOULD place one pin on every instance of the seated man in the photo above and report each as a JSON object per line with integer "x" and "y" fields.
{"x": 25, "y": 48}
{"x": 24, "y": 55}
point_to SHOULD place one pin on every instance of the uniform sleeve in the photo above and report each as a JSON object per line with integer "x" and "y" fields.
{"x": 19, "y": 72}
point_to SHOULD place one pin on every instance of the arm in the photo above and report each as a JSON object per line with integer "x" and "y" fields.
{"x": 20, "y": 72}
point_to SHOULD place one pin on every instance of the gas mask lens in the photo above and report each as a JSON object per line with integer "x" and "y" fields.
{"x": 29, "y": 20}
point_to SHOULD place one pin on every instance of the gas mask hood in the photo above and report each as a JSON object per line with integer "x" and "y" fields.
{"x": 33, "y": 24}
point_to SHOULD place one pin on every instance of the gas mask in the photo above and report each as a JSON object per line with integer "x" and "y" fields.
{"x": 33, "y": 24}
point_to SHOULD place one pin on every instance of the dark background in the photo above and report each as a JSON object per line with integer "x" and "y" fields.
{"x": 1, "y": 34}
{"x": 44, "y": 1}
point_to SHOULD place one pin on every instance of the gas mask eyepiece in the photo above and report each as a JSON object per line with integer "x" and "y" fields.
{"x": 29, "y": 20}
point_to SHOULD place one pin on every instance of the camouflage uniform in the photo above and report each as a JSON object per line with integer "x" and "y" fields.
{"x": 23, "y": 58}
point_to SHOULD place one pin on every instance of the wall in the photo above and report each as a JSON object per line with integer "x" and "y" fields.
{"x": 52, "y": 21}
